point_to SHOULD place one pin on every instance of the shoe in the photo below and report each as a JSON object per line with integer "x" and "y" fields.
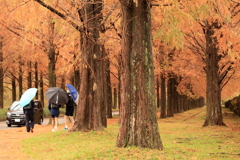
{"x": 53, "y": 130}
{"x": 65, "y": 129}
{"x": 31, "y": 129}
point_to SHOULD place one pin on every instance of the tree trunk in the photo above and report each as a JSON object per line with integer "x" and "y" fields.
{"x": 169, "y": 97}
{"x": 77, "y": 76}
{"x": 138, "y": 124}
{"x": 51, "y": 55}
{"x": 62, "y": 78}
{"x": 29, "y": 77}
{"x": 104, "y": 93}
{"x": 1, "y": 74}
{"x": 51, "y": 68}
{"x": 185, "y": 102}
{"x": 20, "y": 79}
{"x": 174, "y": 95}
{"x": 158, "y": 96}
{"x": 163, "y": 113}
{"x": 91, "y": 101}
{"x": 213, "y": 91}
{"x": 41, "y": 88}
{"x": 119, "y": 91}
{"x": 181, "y": 103}
{"x": 14, "y": 91}
{"x": 114, "y": 98}
{"x": 109, "y": 91}
{"x": 36, "y": 78}
{"x": 76, "y": 81}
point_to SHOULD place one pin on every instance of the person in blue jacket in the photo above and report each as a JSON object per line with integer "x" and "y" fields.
{"x": 28, "y": 111}
{"x": 54, "y": 112}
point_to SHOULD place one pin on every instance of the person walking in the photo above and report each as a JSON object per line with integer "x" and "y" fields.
{"x": 54, "y": 112}
{"x": 28, "y": 111}
{"x": 69, "y": 111}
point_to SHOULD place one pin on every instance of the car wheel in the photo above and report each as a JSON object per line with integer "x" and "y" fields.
{"x": 9, "y": 125}
{"x": 41, "y": 121}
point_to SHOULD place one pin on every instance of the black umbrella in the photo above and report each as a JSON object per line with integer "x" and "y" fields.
{"x": 57, "y": 95}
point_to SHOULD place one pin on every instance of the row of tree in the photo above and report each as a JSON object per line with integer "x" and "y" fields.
{"x": 234, "y": 105}
{"x": 195, "y": 50}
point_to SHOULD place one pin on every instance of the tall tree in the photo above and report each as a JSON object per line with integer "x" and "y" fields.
{"x": 36, "y": 84}
{"x": 163, "y": 113}
{"x": 1, "y": 72}
{"x": 91, "y": 100}
{"x": 212, "y": 40}
{"x": 214, "y": 109}
{"x": 170, "y": 96}
{"x": 29, "y": 77}
{"x": 138, "y": 124}
{"x": 51, "y": 51}
{"x": 14, "y": 95}
{"x": 20, "y": 78}
{"x": 109, "y": 91}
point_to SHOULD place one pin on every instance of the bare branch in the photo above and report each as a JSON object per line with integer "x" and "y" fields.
{"x": 63, "y": 16}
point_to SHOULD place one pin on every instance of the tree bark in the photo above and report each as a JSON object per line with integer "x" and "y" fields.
{"x": 169, "y": 97}
{"x": 104, "y": 82}
{"x": 14, "y": 92}
{"x": 20, "y": 79}
{"x": 41, "y": 88}
{"x": 163, "y": 113}
{"x": 36, "y": 84}
{"x": 213, "y": 91}
{"x": 138, "y": 124}
{"x": 77, "y": 76}
{"x": 29, "y": 77}
{"x": 115, "y": 98}
{"x": 174, "y": 95}
{"x": 1, "y": 74}
{"x": 51, "y": 55}
{"x": 109, "y": 91}
{"x": 91, "y": 101}
{"x": 76, "y": 81}
{"x": 158, "y": 95}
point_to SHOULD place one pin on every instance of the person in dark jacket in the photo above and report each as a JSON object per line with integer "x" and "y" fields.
{"x": 28, "y": 111}
{"x": 69, "y": 111}
{"x": 54, "y": 112}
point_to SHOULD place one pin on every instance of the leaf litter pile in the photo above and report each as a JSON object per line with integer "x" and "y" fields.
{"x": 183, "y": 137}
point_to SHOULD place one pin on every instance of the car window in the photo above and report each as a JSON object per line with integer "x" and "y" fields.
{"x": 38, "y": 105}
{"x": 15, "y": 106}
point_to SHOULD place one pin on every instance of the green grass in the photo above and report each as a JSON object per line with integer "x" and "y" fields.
{"x": 182, "y": 139}
{"x": 3, "y": 113}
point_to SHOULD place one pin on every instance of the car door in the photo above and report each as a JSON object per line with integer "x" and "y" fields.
{"x": 37, "y": 112}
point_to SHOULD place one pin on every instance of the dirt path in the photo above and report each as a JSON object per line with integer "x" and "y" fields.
{"x": 10, "y": 147}
{"x": 10, "y": 141}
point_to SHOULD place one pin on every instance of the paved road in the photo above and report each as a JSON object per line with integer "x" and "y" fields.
{"x": 3, "y": 124}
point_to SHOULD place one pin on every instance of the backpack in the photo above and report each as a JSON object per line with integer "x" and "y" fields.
{"x": 28, "y": 106}
{"x": 71, "y": 102}
{"x": 54, "y": 106}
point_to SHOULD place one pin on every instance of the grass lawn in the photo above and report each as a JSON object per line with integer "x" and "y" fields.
{"x": 183, "y": 137}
